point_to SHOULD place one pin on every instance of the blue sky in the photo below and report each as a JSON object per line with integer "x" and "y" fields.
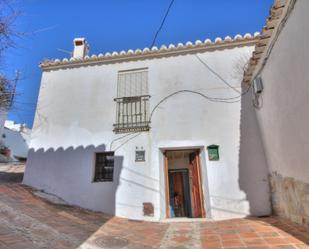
{"x": 115, "y": 25}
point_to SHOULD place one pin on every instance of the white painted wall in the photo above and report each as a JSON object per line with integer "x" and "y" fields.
{"x": 75, "y": 118}
{"x": 17, "y": 138}
{"x": 16, "y": 143}
{"x": 3, "y": 115}
{"x": 284, "y": 117}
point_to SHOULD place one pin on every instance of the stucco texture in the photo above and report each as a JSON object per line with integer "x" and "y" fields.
{"x": 75, "y": 117}
{"x": 284, "y": 118}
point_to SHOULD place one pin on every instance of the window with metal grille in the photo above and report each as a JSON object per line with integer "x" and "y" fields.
{"x": 104, "y": 167}
{"x": 132, "y": 101}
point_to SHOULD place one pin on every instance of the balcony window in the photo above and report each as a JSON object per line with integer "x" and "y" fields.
{"x": 132, "y": 101}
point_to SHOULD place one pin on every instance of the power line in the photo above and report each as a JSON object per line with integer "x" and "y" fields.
{"x": 223, "y": 100}
{"x": 213, "y": 99}
{"x": 128, "y": 140}
{"x": 216, "y": 74}
{"x": 116, "y": 139}
{"x": 257, "y": 100}
{"x": 202, "y": 61}
{"x": 162, "y": 23}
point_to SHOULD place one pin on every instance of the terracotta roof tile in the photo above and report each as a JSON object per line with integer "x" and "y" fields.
{"x": 153, "y": 52}
{"x": 268, "y": 32}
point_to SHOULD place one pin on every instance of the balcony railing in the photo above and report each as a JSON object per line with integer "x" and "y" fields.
{"x": 132, "y": 114}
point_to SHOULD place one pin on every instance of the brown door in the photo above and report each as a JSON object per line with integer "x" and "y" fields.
{"x": 197, "y": 208}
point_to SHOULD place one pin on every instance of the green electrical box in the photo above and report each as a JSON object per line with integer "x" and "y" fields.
{"x": 213, "y": 152}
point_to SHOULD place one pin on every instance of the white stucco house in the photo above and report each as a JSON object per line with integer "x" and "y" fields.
{"x": 151, "y": 134}
{"x": 16, "y": 137}
{"x": 3, "y": 115}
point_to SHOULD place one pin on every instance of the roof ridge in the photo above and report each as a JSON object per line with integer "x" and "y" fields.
{"x": 208, "y": 43}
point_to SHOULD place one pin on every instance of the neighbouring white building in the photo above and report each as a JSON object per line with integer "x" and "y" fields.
{"x": 3, "y": 115}
{"x": 151, "y": 134}
{"x": 16, "y": 137}
{"x": 281, "y": 61}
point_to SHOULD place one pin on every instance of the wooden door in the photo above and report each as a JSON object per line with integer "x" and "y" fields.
{"x": 196, "y": 194}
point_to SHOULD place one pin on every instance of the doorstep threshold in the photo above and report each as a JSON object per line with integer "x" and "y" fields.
{"x": 184, "y": 219}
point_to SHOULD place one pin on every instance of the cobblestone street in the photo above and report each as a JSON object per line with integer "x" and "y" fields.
{"x": 27, "y": 221}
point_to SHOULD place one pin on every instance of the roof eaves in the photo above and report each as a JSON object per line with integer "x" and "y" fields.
{"x": 164, "y": 50}
{"x": 262, "y": 48}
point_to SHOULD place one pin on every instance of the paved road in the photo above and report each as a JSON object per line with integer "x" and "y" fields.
{"x": 29, "y": 222}
{"x": 10, "y": 173}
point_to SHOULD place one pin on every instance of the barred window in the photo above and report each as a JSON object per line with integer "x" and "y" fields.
{"x": 104, "y": 167}
{"x": 132, "y": 101}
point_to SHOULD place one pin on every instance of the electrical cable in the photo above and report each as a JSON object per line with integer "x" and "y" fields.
{"x": 222, "y": 100}
{"x": 116, "y": 139}
{"x": 162, "y": 23}
{"x": 127, "y": 141}
{"x": 213, "y": 99}
{"x": 216, "y": 74}
{"x": 256, "y": 102}
{"x": 152, "y": 44}
{"x": 257, "y": 99}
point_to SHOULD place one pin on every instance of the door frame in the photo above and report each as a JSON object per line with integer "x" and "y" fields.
{"x": 166, "y": 181}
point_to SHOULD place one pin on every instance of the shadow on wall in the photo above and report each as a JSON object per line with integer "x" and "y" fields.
{"x": 253, "y": 169}
{"x": 69, "y": 174}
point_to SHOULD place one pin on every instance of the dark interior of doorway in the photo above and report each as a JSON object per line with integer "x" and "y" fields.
{"x": 179, "y": 189}
{"x": 184, "y": 195}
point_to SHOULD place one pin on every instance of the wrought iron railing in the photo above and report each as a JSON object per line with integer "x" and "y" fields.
{"x": 132, "y": 114}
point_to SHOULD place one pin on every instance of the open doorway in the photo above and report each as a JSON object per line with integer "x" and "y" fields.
{"x": 184, "y": 196}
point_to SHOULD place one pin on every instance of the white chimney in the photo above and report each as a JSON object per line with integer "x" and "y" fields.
{"x": 81, "y": 48}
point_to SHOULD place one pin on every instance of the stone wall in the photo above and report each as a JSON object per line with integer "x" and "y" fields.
{"x": 290, "y": 198}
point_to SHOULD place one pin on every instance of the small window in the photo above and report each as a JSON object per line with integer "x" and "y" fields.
{"x": 104, "y": 167}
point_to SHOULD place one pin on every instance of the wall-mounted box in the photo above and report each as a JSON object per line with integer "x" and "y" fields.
{"x": 213, "y": 152}
{"x": 139, "y": 156}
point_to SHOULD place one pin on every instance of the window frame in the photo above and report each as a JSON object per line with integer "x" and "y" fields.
{"x": 95, "y": 172}
{"x": 132, "y": 110}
